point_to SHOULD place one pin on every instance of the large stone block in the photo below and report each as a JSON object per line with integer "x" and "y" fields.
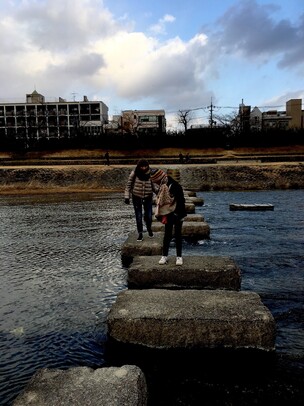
{"x": 192, "y": 319}
{"x": 189, "y": 193}
{"x": 190, "y": 207}
{"x": 251, "y": 207}
{"x": 189, "y": 217}
{"x": 191, "y": 229}
{"x": 149, "y": 246}
{"x": 85, "y": 386}
{"x": 197, "y": 272}
{"x": 197, "y": 201}
{"x": 194, "y": 217}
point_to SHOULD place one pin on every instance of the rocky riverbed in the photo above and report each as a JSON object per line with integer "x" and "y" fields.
{"x": 100, "y": 178}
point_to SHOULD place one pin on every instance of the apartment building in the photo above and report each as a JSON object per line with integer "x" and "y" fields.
{"x": 295, "y": 112}
{"x": 291, "y": 118}
{"x": 37, "y": 119}
{"x": 143, "y": 121}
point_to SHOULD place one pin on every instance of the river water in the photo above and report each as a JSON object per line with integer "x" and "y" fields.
{"x": 60, "y": 273}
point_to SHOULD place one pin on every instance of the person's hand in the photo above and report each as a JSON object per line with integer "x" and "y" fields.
{"x": 127, "y": 201}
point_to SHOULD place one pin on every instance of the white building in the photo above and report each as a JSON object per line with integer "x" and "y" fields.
{"x": 36, "y": 119}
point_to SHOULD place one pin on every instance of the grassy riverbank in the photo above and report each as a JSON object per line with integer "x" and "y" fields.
{"x": 152, "y": 153}
{"x": 23, "y": 180}
{"x": 34, "y": 173}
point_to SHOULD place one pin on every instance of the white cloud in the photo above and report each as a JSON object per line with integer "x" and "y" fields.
{"x": 65, "y": 46}
{"x": 160, "y": 27}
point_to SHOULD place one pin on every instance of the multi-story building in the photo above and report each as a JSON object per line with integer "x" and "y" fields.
{"x": 274, "y": 119}
{"x": 294, "y": 110}
{"x": 256, "y": 117}
{"x": 37, "y": 119}
{"x": 291, "y": 118}
{"x": 143, "y": 121}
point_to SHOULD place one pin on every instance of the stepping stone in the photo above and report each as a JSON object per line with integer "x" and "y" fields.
{"x": 191, "y": 229}
{"x": 191, "y": 319}
{"x": 251, "y": 207}
{"x": 189, "y": 193}
{"x": 189, "y": 217}
{"x": 149, "y": 246}
{"x": 190, "y": 207}
{"x": 194, "y": 217}
{"x": 197, "y": 272}
{"x": 197, "y": 201}
{"x": 86, "y": 386}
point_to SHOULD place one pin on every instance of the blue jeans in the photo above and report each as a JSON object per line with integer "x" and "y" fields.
{"x": 140, "y": 204}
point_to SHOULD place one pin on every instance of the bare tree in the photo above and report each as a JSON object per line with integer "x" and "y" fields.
{"x": 230, "y": 121}
{"x": 129, "y": 122}
{"x": 184, "y": 118}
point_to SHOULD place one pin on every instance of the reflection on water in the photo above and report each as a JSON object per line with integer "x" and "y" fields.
{"x": 60, "y": 272}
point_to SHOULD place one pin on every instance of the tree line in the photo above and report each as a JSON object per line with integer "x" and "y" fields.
{"x": 208, "y": 137}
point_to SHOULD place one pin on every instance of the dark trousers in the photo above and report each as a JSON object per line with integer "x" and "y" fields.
{"x": 140, "y": 204}
{"x": 173, "y": 220}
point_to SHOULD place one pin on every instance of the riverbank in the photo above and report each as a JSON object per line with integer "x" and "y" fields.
{"x": 229, "y": 175}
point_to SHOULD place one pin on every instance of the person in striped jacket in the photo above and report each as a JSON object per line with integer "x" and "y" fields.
{"x": 140, "y": 188}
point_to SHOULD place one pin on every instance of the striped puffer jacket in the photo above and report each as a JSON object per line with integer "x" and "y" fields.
{"x": 140, "y": 188}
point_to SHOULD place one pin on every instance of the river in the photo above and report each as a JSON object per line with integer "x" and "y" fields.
{"x": 60, "y": 272}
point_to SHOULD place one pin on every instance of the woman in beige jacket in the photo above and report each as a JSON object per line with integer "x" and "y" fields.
{"x": 140, "y": 188}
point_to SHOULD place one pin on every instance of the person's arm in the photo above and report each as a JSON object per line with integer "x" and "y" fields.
{"x": 177, "y": 192}
{"x": 129, "y": 186}
{"x": 155, "y": 188}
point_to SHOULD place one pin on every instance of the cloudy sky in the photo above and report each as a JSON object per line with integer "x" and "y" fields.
{"x": 160, "y": 54}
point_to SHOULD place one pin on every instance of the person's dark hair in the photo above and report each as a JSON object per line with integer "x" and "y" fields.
{"x": 138, "y": 171}
{"x": 142, "y": 162}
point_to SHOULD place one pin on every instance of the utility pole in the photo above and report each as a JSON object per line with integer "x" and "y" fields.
{"x": 211, "y": 114}
{"x": 74, "y": 95}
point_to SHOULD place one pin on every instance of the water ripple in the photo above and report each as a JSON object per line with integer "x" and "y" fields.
{"x": 60, "y": 272}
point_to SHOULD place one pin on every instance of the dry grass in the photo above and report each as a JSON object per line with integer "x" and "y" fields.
{"x": 174, "y": 152}
{"x": 297, "y": 149}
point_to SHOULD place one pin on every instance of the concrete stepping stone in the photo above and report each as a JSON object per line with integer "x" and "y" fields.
{"x": 194, "y": 217}
{"x": 191, "y": 319}
{"x": 189, "y": 193}
{"x": 197, "y": 272}
{"x": 124, "y": 385}
{"x": 189, "y": 217}
{"x": 191, "y": 229}
{"x": 190, "y": 207}
{"x": 197, "y": 201}
{"x": 251, "y": 207}
{"x": 149, "y": 246}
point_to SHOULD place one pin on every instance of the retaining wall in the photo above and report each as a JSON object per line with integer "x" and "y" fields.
{"x": 196, "y": 177}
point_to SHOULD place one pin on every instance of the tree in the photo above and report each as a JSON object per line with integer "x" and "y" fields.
{"x": 184, "y": 118}
{"x": 230, "y": 121}
{"x": 129, "y": 122}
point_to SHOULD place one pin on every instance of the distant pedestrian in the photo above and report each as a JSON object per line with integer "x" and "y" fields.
{"x": 170, "y": 210}
{"x": 140, "y": 188}
{"x": 107, "y": 158}
{"x": 181, "y": 158}
{"x": 187, "y": 159}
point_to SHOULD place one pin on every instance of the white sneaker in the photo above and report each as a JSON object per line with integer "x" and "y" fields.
{"x": 163, "y": 260}
{"x": 179, "y": 261}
